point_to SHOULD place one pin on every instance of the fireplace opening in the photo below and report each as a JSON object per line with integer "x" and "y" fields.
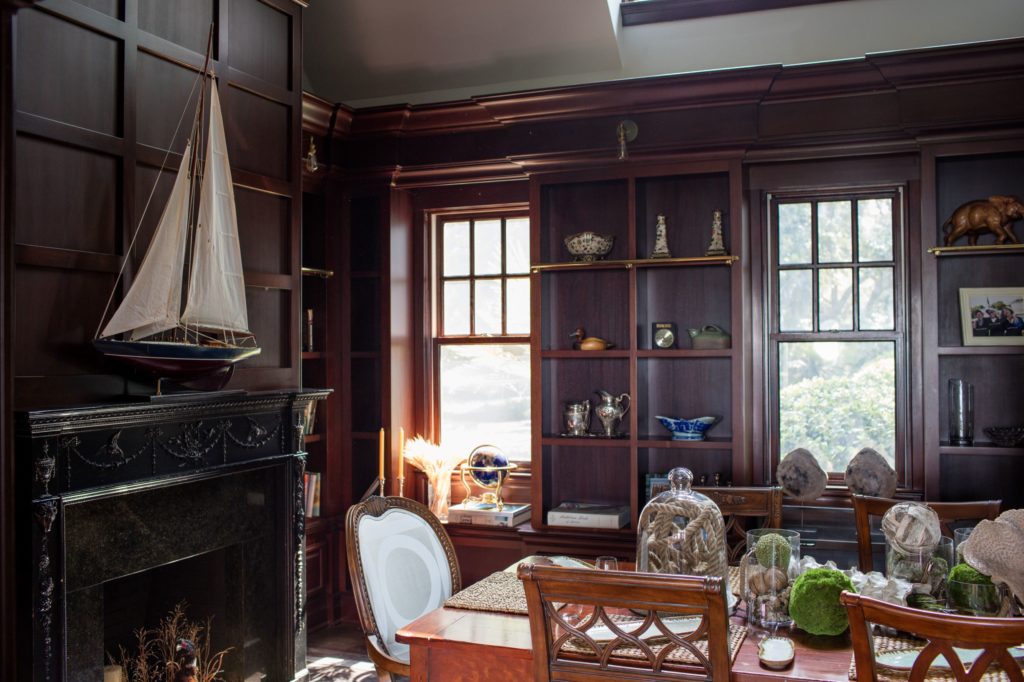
{"x": 213, "y": 542}
{"x": 200, "y": 584}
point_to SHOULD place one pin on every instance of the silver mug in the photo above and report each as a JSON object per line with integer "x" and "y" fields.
{"x": 577, "y": 417}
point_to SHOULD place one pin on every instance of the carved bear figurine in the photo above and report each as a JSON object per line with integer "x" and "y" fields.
{"x": 995, "y": 214}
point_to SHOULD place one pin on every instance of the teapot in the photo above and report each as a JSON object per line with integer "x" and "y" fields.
{"x": 610, "y": 411}
{"x": 709, "y": 336}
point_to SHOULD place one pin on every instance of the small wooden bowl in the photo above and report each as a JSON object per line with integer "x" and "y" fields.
{"x": 776, "y": 653}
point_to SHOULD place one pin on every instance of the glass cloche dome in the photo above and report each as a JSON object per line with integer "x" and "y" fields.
{"x": 681, "y": 531}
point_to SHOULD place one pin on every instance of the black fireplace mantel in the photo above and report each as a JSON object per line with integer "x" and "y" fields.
{"x": 70, "y": 456}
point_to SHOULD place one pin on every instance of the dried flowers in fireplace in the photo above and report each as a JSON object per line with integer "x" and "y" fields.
{"x": 177, "y": 650}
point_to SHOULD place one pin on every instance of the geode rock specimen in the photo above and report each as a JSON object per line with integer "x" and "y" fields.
{"x": 869, "y": 474}
{"x": 800, "y": 475}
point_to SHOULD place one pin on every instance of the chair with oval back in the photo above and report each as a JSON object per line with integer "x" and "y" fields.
{"x": 864, "y": 507}
{"x": 403, "y": 565}
{"x": 644, "y": 648}
{"x": 941, "y": 632}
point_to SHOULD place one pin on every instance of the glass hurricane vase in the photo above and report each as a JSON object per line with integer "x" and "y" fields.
{"x": 440, "y": 494}
{"x": 769, "y": 569}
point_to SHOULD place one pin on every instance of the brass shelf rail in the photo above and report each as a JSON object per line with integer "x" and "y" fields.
{"x": 968, "y": 250}
{"x": 637, "y": 263}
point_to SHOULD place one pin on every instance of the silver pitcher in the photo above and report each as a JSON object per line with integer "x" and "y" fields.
{"x": 610, "y": 411}
{"x": 577, "y": 417}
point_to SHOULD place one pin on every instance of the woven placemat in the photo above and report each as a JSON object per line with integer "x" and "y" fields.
{"x": 883, "y": 673}
{"x": 578, "y": 646}
{"x": 501, "y": 592}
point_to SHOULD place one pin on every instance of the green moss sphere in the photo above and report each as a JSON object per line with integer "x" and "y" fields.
{"x": 773, "y": 551}
{"x": 984, "y": 601}
{"x": 814, "y": 603}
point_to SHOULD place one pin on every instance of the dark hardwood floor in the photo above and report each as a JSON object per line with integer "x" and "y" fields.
{"x": 337, "y": 655}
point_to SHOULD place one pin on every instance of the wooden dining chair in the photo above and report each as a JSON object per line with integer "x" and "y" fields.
{"x": 743, "y": 509}
{"x": 629, "y": 632}
{"x": 403, "y": 565}
{"x": 865, "y": 507}
{"x": 941, "y": 633}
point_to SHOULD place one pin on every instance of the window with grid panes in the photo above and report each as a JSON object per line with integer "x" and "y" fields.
{"x": 482, "y": 339}
{"x": 836, "y": 341}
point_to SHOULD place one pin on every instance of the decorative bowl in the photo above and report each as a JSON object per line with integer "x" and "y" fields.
{"x": 687, "y": 429}
{"x": 586, "y": 247}
{"x": 1006, "y": 436}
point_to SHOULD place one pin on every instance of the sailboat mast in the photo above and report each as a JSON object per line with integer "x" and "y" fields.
{"x": 195, "y": 171}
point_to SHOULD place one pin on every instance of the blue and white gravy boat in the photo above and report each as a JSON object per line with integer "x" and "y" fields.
{"x": 687, "y": 429}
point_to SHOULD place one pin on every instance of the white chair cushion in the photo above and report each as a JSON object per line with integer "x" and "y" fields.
{"x": 406, "y": 572}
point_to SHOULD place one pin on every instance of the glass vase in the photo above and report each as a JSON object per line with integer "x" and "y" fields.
{"x": 769, "y": 568}
{"x": 440, "y": 495}
{"x": 926, "y": 567}
{"x": 961, "y": 412}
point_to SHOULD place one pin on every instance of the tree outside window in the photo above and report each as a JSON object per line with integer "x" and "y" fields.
{"x": 836, "y": 337}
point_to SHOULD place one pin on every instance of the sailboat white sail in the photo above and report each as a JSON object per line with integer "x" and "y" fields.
{"x": 153, "y": 303}
{"x": 215, "y": 310}
{"x": 216, "y": 291}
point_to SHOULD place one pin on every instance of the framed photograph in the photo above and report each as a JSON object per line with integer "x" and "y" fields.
{"x": 992, "y": 316}
{"x": 656, "y": 485}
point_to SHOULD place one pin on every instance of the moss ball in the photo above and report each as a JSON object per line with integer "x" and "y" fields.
{"x": 773, "y": 551}
{"x": 814, "y": 603}
{"x": 965, "y": 573}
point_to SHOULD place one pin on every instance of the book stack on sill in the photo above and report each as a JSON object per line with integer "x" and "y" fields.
{"x": 312, "y": 486}
{"x": 486, "y": 514}
{"x": 586, "y": 515}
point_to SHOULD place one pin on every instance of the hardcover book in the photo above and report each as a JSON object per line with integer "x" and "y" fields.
{"x": 484, "y": 514}
{"x": 588, "y": 515}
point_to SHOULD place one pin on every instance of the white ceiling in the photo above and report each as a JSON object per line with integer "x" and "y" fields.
{"x": 378, "y": 52}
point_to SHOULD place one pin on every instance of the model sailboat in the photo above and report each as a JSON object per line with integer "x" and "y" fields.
{"x": 204, "y": 340}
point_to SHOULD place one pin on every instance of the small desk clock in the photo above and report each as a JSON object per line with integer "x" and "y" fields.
{"x": 663, "y": 335}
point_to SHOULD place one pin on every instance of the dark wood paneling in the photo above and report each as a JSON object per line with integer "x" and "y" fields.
{"x": 257, "y": 130}
{"x": 56, "y": 313}
{"x": 264, "y": 230}
{"x": 114, "y": 8}
{"x": 573, "y": 208}
{"x": 580, "y": 299}
{"x": 266, "y": 53}
{"x": 68, "y": 198}
{"x": 686, "y": 388}
{"x": 185, "y": 22}
{"x": 582, "y": 474}
{"x": 55, "y": 56}
{"x": 162, "y": 94}
{"x": 271, "y": 321}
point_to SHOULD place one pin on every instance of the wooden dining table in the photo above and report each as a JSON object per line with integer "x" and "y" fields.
{"x": 460, "y": 645}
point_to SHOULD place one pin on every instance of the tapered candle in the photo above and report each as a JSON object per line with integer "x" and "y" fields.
{"x": 401, "y": 451}
{"x": 381, "y": 450}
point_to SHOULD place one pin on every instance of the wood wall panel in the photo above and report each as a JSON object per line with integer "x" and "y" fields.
{"x": 56, "y": 313}
{"x": 161, "y": 95}
{"x": 57, "y": 57}
{"x": 113, "y": 8}
{"x": 266, "y": 53}
{"x": 270, "y": 319}
{"x": 184, "y": 22}
{"x": 264, "y": 230}
{"x": 69, "y": 198}
{"x": 258, "y": 133}
{"x": 91, "y": 135}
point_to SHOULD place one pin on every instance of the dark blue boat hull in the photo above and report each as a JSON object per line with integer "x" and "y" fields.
{"x": 177, "y": 362}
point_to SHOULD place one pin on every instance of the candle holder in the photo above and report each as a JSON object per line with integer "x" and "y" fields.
{"x": 961, "y": 412}
{"x": 401, "y": 486}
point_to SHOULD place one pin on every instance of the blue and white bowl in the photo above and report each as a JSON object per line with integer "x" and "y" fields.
{"x": 687, "y": 429}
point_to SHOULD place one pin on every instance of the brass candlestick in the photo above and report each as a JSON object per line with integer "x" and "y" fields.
{"x": 401, "y": 486}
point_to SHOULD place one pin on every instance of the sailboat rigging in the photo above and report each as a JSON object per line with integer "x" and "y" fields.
{"x": 204, "y": 340}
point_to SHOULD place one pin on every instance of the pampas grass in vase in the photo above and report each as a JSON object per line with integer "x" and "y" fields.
{"x": 437, "y": 463}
